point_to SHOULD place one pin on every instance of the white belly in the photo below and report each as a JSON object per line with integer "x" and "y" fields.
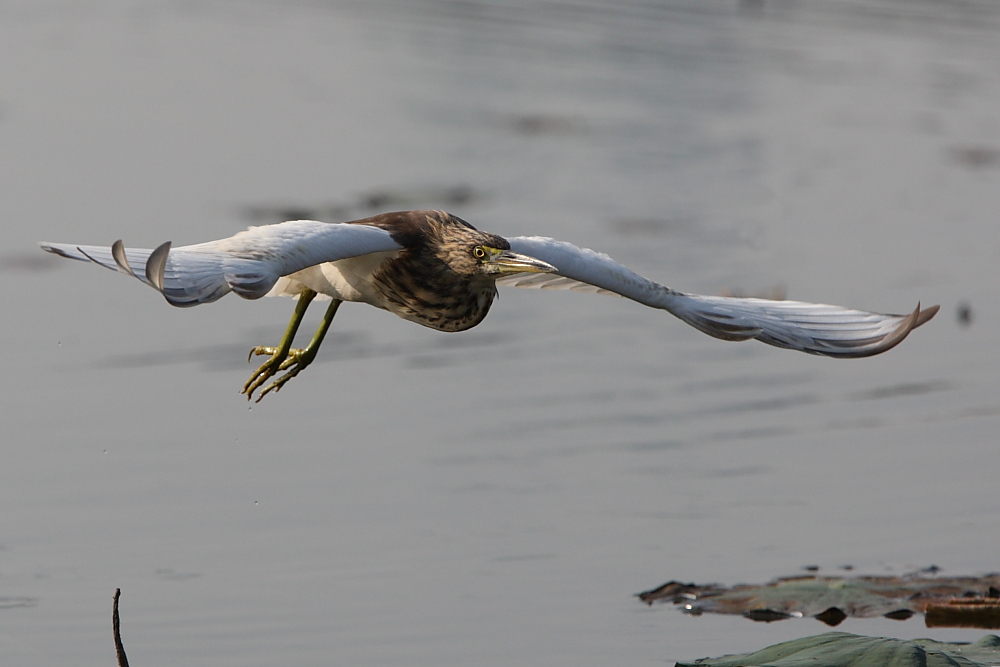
{"x": 345, "y": 279}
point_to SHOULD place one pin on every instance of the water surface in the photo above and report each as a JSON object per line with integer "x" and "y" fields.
{"x": 496, "y": 496}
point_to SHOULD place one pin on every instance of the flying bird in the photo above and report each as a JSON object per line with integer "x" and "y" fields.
{"x": 435, "y": 269}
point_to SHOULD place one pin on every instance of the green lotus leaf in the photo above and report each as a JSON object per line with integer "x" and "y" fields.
{"x": 841, "y": 649}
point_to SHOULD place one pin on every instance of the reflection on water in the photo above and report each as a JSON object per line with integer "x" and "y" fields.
{"x": 906, "y": 389}
{"x": 422, "y": 498}
{"x": 366, "y": 204}
{"x": 25, "y": 263}
{"x": 14, "y": 603}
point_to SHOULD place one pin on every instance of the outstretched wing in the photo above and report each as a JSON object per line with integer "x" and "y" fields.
{"x": 816, "y": 328}
{"x": 248, "y": 263}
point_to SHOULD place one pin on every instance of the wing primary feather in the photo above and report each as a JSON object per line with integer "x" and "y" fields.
{"x": 94, "y": 260}
{"x": 925, "y": 314}
{"x": 118, "y": 253}
{"x": 879, "y": 344}
{"x": 156, "y": 265}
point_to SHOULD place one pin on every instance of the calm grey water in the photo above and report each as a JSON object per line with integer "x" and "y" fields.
{"x": 493, "y": 497}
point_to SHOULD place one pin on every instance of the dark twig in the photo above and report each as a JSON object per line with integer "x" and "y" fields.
{"x": 119, "y": 649}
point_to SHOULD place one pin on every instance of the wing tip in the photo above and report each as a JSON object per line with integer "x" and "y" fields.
{"x": 895, "y": 337}
{"x": 907, "y": 324}
{"x": 60, "y": 250}
{"x": 926, "y": 314}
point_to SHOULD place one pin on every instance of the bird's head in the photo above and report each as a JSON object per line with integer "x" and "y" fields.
{"x": 497, "y": 262}
{"x": 477, "y": 254}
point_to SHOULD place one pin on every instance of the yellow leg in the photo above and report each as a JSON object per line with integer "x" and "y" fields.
{"x": 284, "y": 357}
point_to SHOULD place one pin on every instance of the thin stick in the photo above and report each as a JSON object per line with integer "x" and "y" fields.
{"x": 119, "y": 649}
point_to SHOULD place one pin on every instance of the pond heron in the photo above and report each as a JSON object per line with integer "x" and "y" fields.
{"x": 437, "y": 270}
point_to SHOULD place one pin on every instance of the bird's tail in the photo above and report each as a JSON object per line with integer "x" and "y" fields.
{"x": 185, "y": 276}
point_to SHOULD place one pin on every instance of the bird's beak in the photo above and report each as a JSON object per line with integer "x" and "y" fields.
{"x": 507, "y": 261}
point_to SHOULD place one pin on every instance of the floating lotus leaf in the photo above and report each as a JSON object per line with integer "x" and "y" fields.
{"x": 831, "y": 599}
{"x": 841, "y": 649}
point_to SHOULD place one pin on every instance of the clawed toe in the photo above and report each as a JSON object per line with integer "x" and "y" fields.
{"x": 291, "y": 362}
{"x": 261, "y": 350}
{"x": 283, "y": 358}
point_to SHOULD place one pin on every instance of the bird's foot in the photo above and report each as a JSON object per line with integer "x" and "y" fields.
{"x": 292, "y": 362}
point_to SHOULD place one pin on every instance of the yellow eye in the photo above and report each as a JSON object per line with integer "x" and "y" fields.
{"x": 478, "y": 252}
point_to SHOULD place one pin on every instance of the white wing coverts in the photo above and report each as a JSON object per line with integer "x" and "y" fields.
{"x": 822, "y": 329}
{"x": 248, "y": 263}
